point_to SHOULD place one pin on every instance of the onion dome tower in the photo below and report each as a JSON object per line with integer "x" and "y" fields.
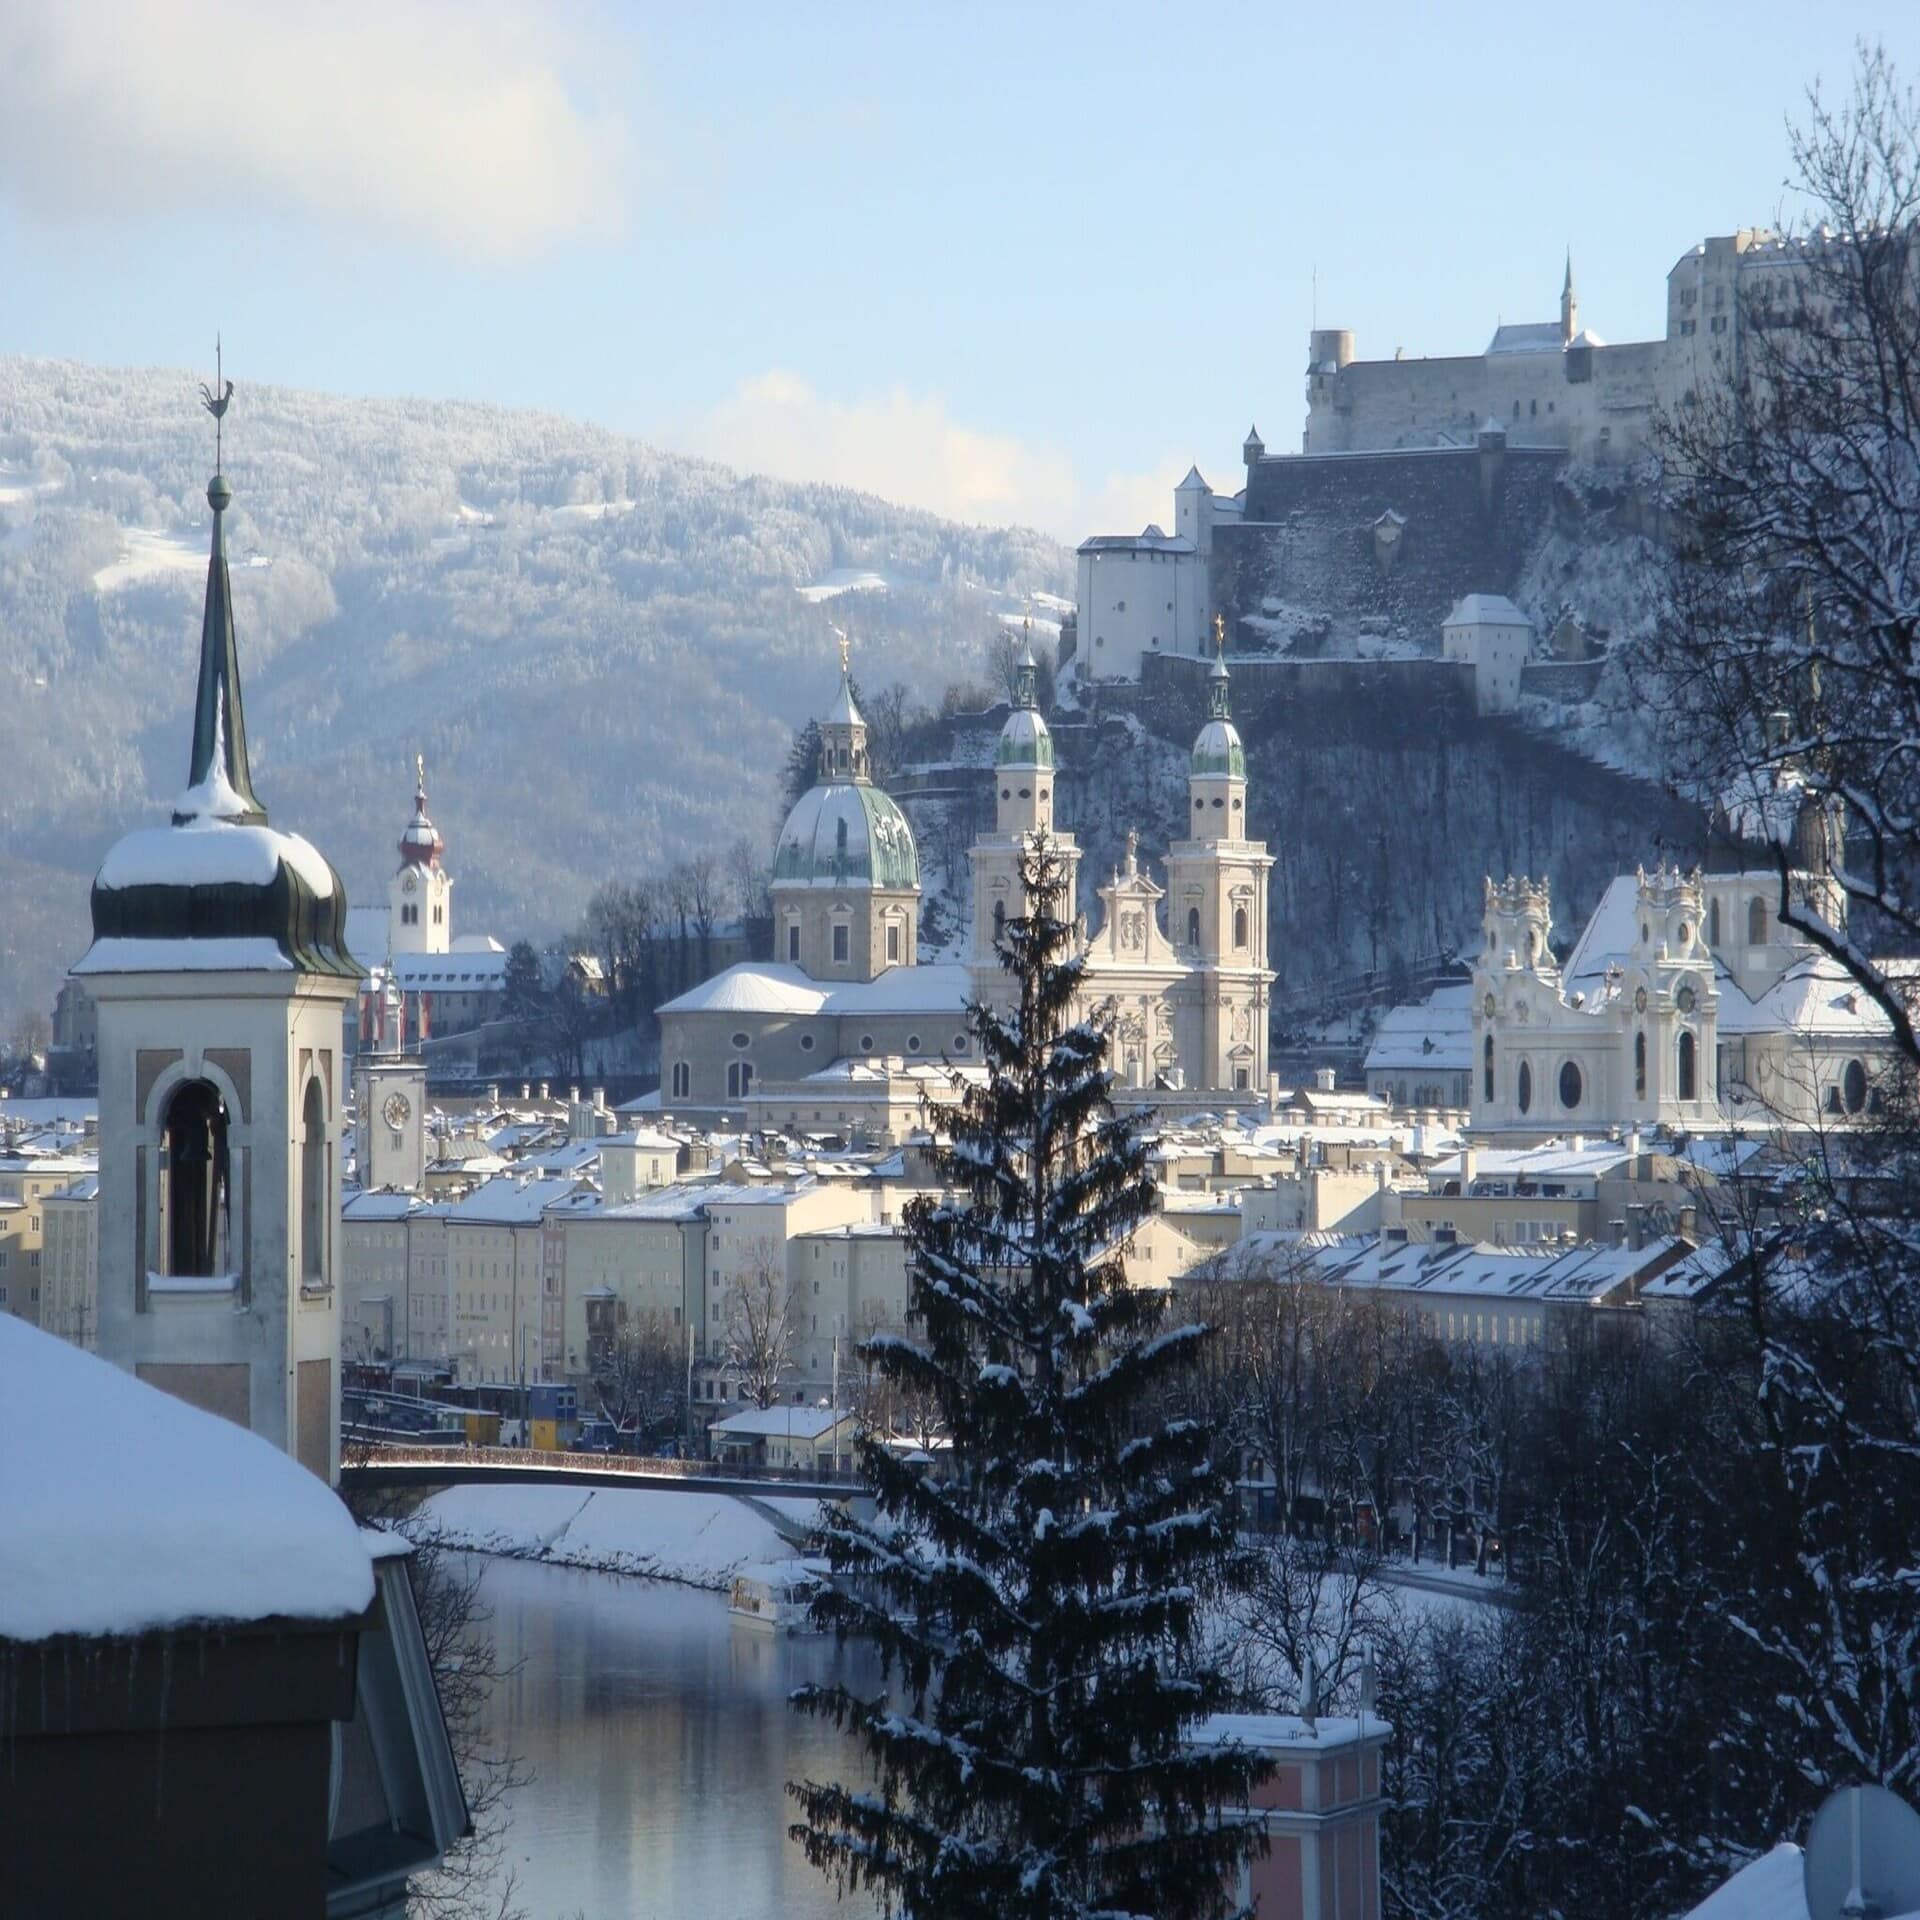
{"x": 1023, "y": 779}
{"x": 220, "y": 969}
{"x": 846, "y": 875}
{"x": 420, "y": 894}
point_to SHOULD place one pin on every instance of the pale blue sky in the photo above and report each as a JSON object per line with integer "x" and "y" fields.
{"x": 1003, "y": 261}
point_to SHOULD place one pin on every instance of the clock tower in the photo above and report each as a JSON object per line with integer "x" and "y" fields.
{"x": 390, "y": 1104}
{"x": 420, "y": 894}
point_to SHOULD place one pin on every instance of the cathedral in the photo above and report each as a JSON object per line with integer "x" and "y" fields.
{"x": 1183, "y": 965}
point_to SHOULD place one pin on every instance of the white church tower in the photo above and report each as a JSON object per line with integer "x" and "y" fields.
{"x": 390, "y": 1103}
{"x": 1217, "y": 905}
{"x": 220, "y": 969}
{"x": 420, "y": 894}
{"x": 1023, "y": 771}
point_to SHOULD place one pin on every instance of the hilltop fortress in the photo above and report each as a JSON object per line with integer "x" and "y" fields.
{"x": 1422, "y": 481}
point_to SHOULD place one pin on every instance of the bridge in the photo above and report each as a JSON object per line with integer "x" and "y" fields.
{"x": 386, "y": 1467}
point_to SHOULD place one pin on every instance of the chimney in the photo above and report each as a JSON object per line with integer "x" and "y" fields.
{"x": 1323, "y": 1079}
{"x": 546, "y": 1089}
{"x": 1636, "y": 1227}
{"x": 1469, "y": 1167}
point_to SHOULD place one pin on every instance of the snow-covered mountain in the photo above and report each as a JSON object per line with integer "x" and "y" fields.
{"x": 601, "y": 649}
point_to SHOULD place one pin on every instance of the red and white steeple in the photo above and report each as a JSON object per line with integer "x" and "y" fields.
{"x": 420, "y": 894}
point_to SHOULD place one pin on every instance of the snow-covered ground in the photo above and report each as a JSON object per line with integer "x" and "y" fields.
{"x": 146, "y": 554}
{"x": 841, "y": 580}
{"x": 699, "y": 1539}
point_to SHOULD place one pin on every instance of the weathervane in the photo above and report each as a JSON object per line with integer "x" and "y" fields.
{"x": 216, "y": 404}
{"x": 420, "y": 773}
{"x": 840, "y": 634}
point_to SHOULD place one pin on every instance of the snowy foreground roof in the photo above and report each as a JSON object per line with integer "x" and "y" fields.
{"x": 125, "y": 1511}
{"x": 1772, "y": 1887}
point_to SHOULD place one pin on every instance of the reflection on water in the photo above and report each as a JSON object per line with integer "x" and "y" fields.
{"x": 661, "y": 1742}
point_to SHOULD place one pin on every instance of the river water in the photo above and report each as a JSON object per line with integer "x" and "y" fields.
{"x": 661, "y": 1741}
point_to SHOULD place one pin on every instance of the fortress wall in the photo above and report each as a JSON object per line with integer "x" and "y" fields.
{"x": 1308, "y": 540}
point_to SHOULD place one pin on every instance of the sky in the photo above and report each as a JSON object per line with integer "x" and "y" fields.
{"x": 1012, "y": 263}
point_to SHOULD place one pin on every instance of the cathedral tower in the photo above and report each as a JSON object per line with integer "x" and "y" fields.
{"x": 220, "y": 969}
{"x": 1217, "y": 903}
{"x": 420, "y": 894}
{"x": 1023, "y": 773}
{"x": 390, "y": 1102}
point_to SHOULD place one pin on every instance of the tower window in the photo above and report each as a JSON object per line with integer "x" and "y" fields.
{"x": 1193, "y": 926}
{"x": 1571, "y": 1086}
{"x": 842, "y": 941}
{"x": 1689, "y": 1074}
{"x": 1239, "y": 926}
{"x": 314, "y": 1210}
{"x": 195, "y": 1181}
{"x": 893, "y": 940}
{"x": 439, "y": 914}
{"x": 1853, "y": 1084}
{"x": 1756, "y": 922}
{"x": 1486, "y": 1070}
{"x": 739, "y": 1079}
{"x": 999, "y": 921}
{"x": 1523, "y": 1090}
{"x": 682, "y": 1080}
{"x": 1640, "y": 1063}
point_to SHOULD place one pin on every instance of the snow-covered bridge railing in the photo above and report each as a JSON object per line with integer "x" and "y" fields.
{"x": 402, "y": 1466}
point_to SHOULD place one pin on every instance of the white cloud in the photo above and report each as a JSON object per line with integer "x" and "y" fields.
{"x": 908, "y": 448}
{"x": 456, "y": 121}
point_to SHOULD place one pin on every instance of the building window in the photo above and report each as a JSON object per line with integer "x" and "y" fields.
{"x": 1523, "y": 1094}
{"x": 842, "y": 941}
{"x": 913, "y": 1043}
{"x": 1640, "y": 1064}
{"x": 806, "y": 1043}
{"x": 1853, "y": 1085}
{"x": 1239, "y": 926}
{"x": 741, "y": 1042}
{"x": 999, "y": 921}
{"x": 682, "y": 1079}
{"x": 1689, "y": 1074}
{"x": 959, "y": 1043}
{"x": 893, "y": 941}
{"x": 1240, "y": 1079}
{"x": 1193, "y": 926}
{"x": 1713, "y": 923}
{"x": 793, "y": 940}
{"x": 1756, "y": 922}
{"x": 866, "y": 1043}
{"x": 1486, "y": 1070}
{"x": 313, "y": 1188}
{"x": 195, "y": 1181}
{"x": 1570, "y": 1086}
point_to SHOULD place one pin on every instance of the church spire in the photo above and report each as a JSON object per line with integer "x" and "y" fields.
{"x": 843, "y": 730}
{"x": 1219, "y": 701}
{"x": 219, "y": 783}
{"x": 1026, "y": 670}
{"x": 1569, "y": 305}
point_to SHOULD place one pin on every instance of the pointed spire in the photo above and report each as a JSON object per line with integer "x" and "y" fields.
{"x": 1026, "y": 669}
{"x": 1566, "y": 286}
{"x": 219, "y": 782}
{"x": 1219, "y": 703}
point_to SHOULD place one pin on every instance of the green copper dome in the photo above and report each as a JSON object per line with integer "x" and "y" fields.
{"x": 1217, "y": 750}
{"x": 1024, "y": 741}
{"x": 846, "y": 836}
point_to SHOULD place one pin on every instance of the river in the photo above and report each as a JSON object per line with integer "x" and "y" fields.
{"x": 660, "y": 1741}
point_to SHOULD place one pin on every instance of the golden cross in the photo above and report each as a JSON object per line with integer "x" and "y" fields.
{"x": 1219, "y": 633}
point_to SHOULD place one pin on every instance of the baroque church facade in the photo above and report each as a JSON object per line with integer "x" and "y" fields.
{"x": 1183, "y": 964}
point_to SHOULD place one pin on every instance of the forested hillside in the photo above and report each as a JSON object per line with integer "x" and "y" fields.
{"x": 601, "y": 649}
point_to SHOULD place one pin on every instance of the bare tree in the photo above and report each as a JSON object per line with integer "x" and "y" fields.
{"x": 31, "y": 1034}
{"x": 640, "y": 1376}
{"x": 759, "y": 1325}
{"x": 1006, "y": 648}
{"x": 1791, "y": 653}
{"x": 706, "y": 884}
{"x": 752, "y": 881}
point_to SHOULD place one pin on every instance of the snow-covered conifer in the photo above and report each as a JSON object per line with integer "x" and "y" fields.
{"x": 1036, "y": 1594}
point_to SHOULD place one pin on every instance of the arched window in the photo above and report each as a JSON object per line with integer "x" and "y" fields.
{"x": 999, "y": 921}
{"x": 1713, "y": 923}
{"x": 1193, "y": 926}
{"x": 1689, "y": 1073}
{"x": 1486, "y": 1070}
{"x": 1239, "y": 926}
{"x": 1854, "y": 1086}
{"x": 1756, "y": 922}
{"x": 682, "y": 1079}
{"x": 739, "y": 1079}
{"x": 314, "y": 1265}
{"x": 1570, "y": 1085}
{"x": 1524, "y": 1089}
{"x": 195, "y": 1181}
{"x": 1640, "y": 1063}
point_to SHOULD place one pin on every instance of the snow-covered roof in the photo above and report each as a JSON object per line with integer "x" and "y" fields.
{"x": 508, "y": 1202}
{"x": 1773, "y": 1887}
{"x": 383, "y": 1203}
{"x": 803, "y": 1423}
{"x": 1436, "y": 1033}
{"x": 769, "y": 986}
{"x": 1607, "y": 938}
{"x": 212, "y": 853}
{"x": 243, "y": 953}
{"x": 127, "y": 1511}
{"x": 1527, "y": 336}
{"x": 1152, "y": 540}
{"x": 1486, "y": 610}
{"x": 1286, "y": 1731}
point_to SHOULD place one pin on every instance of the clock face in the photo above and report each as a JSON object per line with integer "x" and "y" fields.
{"x": 396, "y": 1110}
{"x": 407, "y": 885}
{"x": 1640, "y": 1001}
{"x": 1491, "y": 1006}
{"x": 1685, "y": 999}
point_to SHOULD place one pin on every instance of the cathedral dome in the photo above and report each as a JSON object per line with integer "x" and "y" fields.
{"x": 846, "y": 836}
{"x": 1217, "y": 750}
{"x": 1024, "y": 741}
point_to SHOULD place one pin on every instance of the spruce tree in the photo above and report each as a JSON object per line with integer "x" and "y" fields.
{"x": 1036, "y": 1597}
